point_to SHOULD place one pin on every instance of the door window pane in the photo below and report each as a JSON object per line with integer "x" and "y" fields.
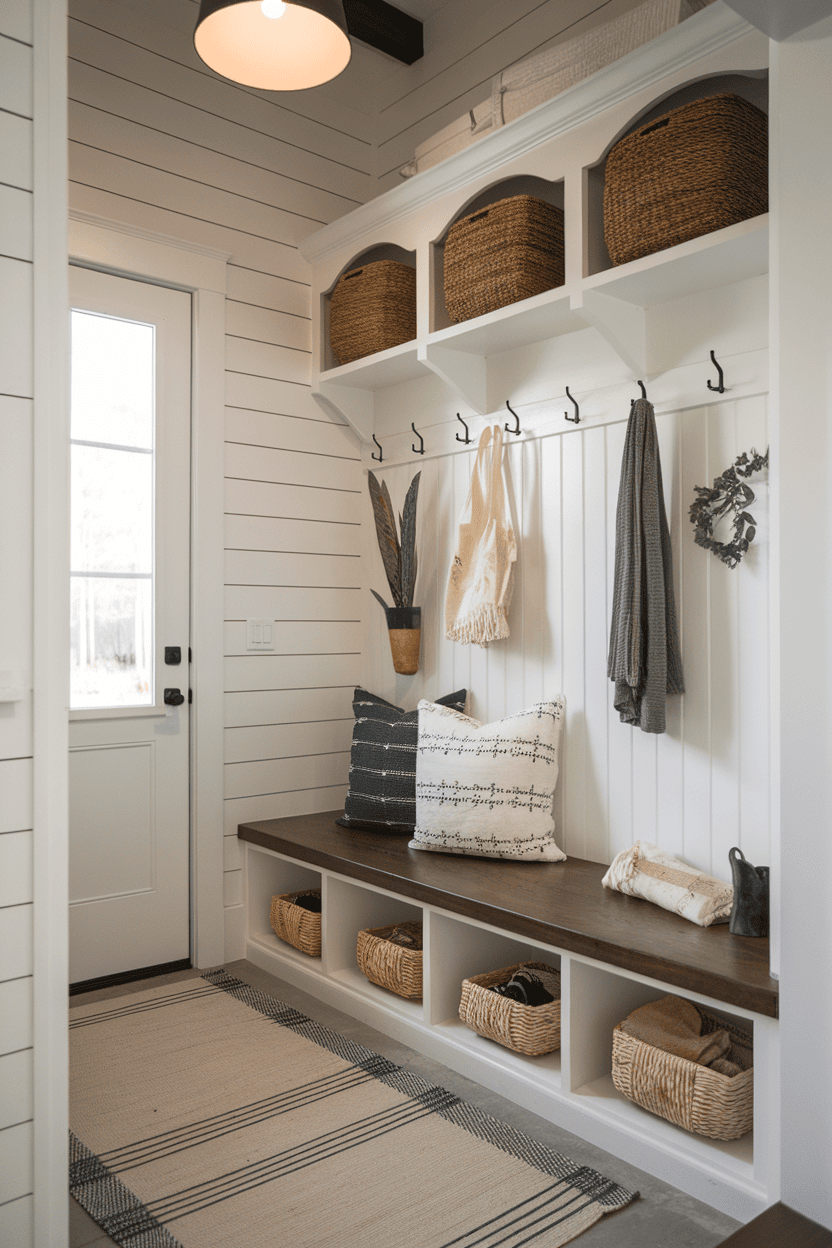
{"x": 111, "y": 641}
{"x": 112, "y": 512}
{"x": 112, "y": 380}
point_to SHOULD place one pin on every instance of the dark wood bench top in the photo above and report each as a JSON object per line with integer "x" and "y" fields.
{"x": 559, "y": 903}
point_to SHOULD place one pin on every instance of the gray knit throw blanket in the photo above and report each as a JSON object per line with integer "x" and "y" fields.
{"x": 644, "y": 660}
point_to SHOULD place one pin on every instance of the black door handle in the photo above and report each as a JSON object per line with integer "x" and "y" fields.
{"x": 173, "y": 697}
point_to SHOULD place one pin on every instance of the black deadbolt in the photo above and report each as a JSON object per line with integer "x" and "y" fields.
{"x": 173, "y": 697}
{"x": 173, "y": 655}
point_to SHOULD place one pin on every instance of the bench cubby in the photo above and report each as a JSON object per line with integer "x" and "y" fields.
{"x": 613, "y": 952}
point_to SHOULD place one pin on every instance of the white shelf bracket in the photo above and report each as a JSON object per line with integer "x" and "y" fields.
{"x": 355, "y": 406}
{"x": 623, "y": 325}
{"x": 466, "y": 374}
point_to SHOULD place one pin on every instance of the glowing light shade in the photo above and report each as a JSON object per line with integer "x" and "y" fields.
{"x": 272, "y": 45}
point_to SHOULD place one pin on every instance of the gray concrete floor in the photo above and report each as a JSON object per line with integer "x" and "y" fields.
{"x": 663, "y": 1218}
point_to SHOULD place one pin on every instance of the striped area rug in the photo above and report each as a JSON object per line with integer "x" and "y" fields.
{"x": 210, "y": 1115}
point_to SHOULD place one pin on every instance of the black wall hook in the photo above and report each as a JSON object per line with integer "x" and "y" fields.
{"x": 466, "y": 439}
{"x": 420, "y": 449}
{"x": 378, "y": 444}
{"x": 720, "y": 388}
{"x": 576, "y": 419}
{"x": 643, "y": 393}
{"x": 516, "y": 420}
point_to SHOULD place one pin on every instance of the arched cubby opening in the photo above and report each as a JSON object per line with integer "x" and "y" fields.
{"x": 524, "y": 184}
{"x": 381, "y": 251}
{"x": 751, "y": 87}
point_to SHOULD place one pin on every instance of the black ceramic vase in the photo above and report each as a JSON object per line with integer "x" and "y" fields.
{"x": 749, "y": 913}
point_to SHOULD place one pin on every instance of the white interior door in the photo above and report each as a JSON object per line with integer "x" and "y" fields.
{"x": 130, "y": 570}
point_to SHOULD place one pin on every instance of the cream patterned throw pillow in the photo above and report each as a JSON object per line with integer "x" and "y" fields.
{"x": 487, "y": 789}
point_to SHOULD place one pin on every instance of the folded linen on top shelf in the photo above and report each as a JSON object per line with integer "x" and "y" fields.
{"x": 648, "y": 872}
{"x": 674, "y": 1025}
{"x": 538, "y": 78}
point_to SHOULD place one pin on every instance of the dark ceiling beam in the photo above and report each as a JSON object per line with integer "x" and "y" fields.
{"x": 385, "y": 27}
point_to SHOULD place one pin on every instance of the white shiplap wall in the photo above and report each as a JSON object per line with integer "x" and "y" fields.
{"x": 159, "y": 142}
{"x": 16, "y": 747}
{"x": 466, "y": 43}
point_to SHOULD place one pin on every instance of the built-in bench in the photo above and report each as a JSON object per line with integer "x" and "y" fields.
{"x": 614, "y": 953}
{"x": 561, "y": 904}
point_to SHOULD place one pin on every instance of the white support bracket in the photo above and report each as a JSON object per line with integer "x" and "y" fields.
{"x": 354, "y": 405}
{"x": 465, "y": 373}
{"x": 623, "y": 325}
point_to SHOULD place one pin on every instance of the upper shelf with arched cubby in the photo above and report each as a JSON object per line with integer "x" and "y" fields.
{"x": 563, "y": 156}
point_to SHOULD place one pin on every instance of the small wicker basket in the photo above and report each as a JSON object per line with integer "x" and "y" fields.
{"x": 294, "y": 924}
{"x": 371, "y": 309}
{"x": 511, "y": 250}
{"x": 391, "y": 966}
{"x": 699, "y": 168}
{"x": 695, "y": 1097}
{"x": 529, "y": 1029}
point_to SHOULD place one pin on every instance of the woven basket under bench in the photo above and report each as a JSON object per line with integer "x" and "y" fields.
{"x": 530, "y": 1029}
{"x": 391, "y": 966}
{"x": 701, "y": 167}
{"x": 511, "y": 250}
{"x": 695, "y": 1097}
{"x": 296, "y": 925}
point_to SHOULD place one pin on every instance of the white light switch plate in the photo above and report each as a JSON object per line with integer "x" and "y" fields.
{"x": 260, "y": 635}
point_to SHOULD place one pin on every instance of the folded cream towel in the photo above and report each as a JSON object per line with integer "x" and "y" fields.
{"x": 646, "y": 871}
{"x": 674, "y": 1025}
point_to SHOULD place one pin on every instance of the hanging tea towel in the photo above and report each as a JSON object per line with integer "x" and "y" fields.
{"x": 645, "y": 659}
{"x": 482, "y": 573}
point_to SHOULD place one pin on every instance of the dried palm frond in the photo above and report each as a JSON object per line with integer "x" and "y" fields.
{"x": 399, "y": 559}
{"x": 407, "y": 524}
{"x": 388, "y": 542}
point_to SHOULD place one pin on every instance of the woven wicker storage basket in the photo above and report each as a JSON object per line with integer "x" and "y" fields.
{"x": 693, "y": 1096}
{"x": 529, "y": 1029}
{"x": 371, "y": 309}
{"x": 298, "y": 927}
{"x": 388, "y": 965}
{"x": 699, "y": 168}
{"x": 511, "y": 250}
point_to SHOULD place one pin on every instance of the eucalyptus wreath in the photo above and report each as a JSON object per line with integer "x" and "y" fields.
{"x": 729, "y": 493}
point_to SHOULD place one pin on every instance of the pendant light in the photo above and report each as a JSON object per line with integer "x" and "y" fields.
{"x": 277, "y": 45}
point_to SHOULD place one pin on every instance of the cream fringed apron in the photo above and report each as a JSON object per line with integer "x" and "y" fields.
{"x": 482, "y": 573}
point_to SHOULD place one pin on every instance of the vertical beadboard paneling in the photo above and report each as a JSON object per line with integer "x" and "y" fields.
{"x": 726, "y": 728}
{"x": 701, "y": 786}
{"x": 753, "y": 651}
{"x": 619, "y": 741}
{"x": 695, "y": 624}
{"x": 573, "y": 640}
{"x": 669, "y": 747}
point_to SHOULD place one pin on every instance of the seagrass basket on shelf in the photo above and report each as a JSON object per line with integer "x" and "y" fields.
{"x": 699, "y": 168}
{"x": 392, "y": 966}
{"x": 530, "y": 1029}
{"x": 511, "y": 250}
{"x": 296, "y": 924}
{"x": 692, "y": 1096}
{"x": 371, "y": 309}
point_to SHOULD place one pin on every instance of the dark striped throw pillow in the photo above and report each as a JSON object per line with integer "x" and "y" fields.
{"x": 382, "y": 792}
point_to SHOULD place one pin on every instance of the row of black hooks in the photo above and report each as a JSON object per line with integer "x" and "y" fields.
{"x": 574, "y": 417}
